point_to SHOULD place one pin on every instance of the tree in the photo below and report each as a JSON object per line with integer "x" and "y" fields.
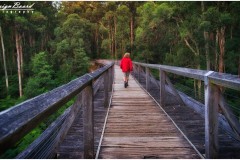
{"x": 206, "y": 39}
{"x": 145, "y": 32}
{"x": 155, "y": 32}
{"x": 20, "y": 23}
{"x": 123, "y": 29}
{"x": 216, "y": 20}
{"x": 108, "y": 29}
{"x": 4, "y": 58}
{"x": 42, "y": 79}
{"x": 72, "y": 47}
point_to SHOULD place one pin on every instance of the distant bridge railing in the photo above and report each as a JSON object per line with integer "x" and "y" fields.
{"x": 213, "y": 81}
{"x": 19, "y": 120}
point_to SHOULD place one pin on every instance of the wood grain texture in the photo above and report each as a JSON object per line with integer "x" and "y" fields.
{"x": 190, "y": 119}
{"x": 72, "y": 145}
{"x": 138, "y": 128}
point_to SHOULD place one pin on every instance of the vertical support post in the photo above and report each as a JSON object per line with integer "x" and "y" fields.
{"x": 211, "y": 119}
{"x": 88, "y": 130}
{"x": 147, "y": 78}
{"x": 138, "y": 72}
{"x": 110, "y": 79}
{"x": 113, "y": 76}
{"x": 106, "y": 88}
{"x": 162, "y": 87}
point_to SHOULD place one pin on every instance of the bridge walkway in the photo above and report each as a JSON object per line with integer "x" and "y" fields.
{"x": 138, "y": 128}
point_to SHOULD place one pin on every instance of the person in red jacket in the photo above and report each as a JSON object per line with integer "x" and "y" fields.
{"x": 126, "y": 66}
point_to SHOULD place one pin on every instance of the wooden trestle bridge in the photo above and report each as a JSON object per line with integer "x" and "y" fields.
{"x": 148, "y": 119}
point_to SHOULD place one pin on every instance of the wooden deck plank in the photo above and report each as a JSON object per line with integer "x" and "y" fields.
{"x": 138, "y": 128}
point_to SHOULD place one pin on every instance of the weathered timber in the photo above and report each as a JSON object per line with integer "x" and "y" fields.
{"x": 211, "y": 120}
{"x": 226, "y": 80}
{"x": 183, "y": 116}
{"x": 22, "y": 118}
{"x": 97, "y": 84}
{"x": 233, "y": 121}
{"x": 175, "y": 92}
{"x": 147, "y": 78}
{"x": 137, "y": 128}
{"x": 58, "y": 128}
{"x": 106, "y": 88}
{"x": 162, "y": 87}
{"x": 192, "y": 73}
{"x": 88, "y": 134}
{"x": 64, "y": 122}
{"x": 72, "y": 145}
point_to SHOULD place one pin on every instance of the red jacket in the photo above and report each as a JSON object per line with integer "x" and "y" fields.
{"x": 126, "y": 64}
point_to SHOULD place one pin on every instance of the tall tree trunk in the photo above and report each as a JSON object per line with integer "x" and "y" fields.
{"x": 206, "y": 39}
{"x": 18, "y": 61}
{"x": 30, "y": 40}
{"x": 115, "y": 36}
{"x": 21, "y": 54}
{"x": 98, "y": 53}
{"x": 4, "y": 59}
{"x": 110, "y": 38}
{"x": 216, "y": 52}
{"x": 222, "y": 48}
{"x": 112, "y": 43}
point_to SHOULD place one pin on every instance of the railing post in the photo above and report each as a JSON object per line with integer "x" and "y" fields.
{"x": 162, "y": 87}
{"x": 106, "y": 88}
{"x": 138, "y": 72}
{"x": 147, "y": 78}
{"x": 211, "y": 119}
{"x": 88, "y": 128}
{"x": 110, "y": 79}
{"x": 112, "y": 76}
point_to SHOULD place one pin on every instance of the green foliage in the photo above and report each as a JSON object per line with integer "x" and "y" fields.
{"x": 6, "y": 103}
{"x": 72, "y": 47}
{"x": 164, "y": 11}
{"x": 123, "y": 20}
{"x": 39, "y": 21}
{"x": 181, "y": 58}
{"x": 153, "y": 33}
{"x": 41, "y": 81}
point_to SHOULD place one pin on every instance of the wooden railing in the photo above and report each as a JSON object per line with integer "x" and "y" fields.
{"x": 19, "y": 120}
{"x": 213, "y": 81}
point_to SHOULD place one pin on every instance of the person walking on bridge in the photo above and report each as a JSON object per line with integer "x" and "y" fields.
{"x": 126, "y": 66}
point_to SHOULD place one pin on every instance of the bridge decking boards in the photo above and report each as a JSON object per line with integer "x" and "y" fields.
{"x": 138, "y": 128}
{"x": 192, "y": 124}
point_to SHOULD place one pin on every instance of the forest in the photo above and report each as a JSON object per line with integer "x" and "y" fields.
{"x": 57, "y": 41}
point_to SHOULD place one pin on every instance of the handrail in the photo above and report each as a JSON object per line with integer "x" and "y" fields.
{"x": 213, "y": 98}
{"x": 187, "y": 72}
{"x": 226, "y": 80}
{"x": 17, "y": 121}
{"x": 223, "y": 79}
